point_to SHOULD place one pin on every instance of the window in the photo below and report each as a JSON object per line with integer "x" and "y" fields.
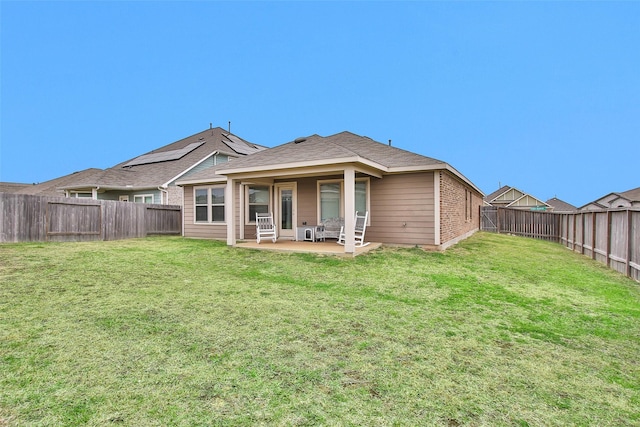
{"x": 143, "y": 198}
{"x": 79, "y": 195}
{"x": 468, "y": 205}
{"x": 331, "y": 195}
{"x": 258, "y": 201}
{"x": 209, "y": 204}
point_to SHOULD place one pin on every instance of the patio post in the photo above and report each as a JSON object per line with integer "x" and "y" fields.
{"x": 349, "y": 209}
{"x": 229, "y": 204}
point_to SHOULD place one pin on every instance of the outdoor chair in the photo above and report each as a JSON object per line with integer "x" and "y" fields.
{"x": 360, "y": 228}
{"x": 329, "y": 228}
{"x": 265, "y": 228}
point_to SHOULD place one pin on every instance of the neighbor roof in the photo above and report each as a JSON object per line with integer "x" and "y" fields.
{"x": 631, "y": 195}
{"x": 165, "y": 164}
{"x": 500, "y": 191}
{"x": 560, "y": 205}
{"x": 50, "y": 188}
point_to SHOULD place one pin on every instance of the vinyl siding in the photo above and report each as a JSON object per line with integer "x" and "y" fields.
{"x": 401, "y": 209}
{"x": 200, "y": 231}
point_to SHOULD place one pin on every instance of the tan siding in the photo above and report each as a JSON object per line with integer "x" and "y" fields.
{"x": 201, "y": 231}
{"x": 402, "y": 209}
{"x": 307, "y": 201}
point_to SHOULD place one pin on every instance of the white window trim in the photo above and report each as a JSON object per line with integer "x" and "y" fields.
{"x": 252, "y": 221}
{"x": 209, "y": 205}
{"x": 367, "y": 180}
{"x": 77, "y": 195}
{"x": 143, "y": 197}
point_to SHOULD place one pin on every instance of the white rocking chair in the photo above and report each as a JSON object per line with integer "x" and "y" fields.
{"x": 360, "y": 228}
{"x": 265, "y": 228}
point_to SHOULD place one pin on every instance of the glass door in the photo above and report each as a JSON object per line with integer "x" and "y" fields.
{"x": 286, "y": 211}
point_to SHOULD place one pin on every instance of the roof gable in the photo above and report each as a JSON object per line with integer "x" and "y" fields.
{"x": 526, "y": 201}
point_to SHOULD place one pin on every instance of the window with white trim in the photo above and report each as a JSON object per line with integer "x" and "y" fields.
{"x": 331, "y": 196}
{"x": 209, "y": 204}
{"x": 143, "y": 198}
{"x": 258, "y": 197}
{"x": 80, "y": 195}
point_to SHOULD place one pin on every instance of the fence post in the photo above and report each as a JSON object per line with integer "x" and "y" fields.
{"x": 582, "y": 235}
{"x": 608, "y": 238}
{"x": 629, "y": 238}
{"x": 573, "y": 247}
{"x": 593, "y": 235}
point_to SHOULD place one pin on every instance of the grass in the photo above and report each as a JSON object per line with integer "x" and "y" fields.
{"x": 498, "y": 330}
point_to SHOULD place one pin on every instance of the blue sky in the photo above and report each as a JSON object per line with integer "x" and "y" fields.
{"x": 542, "y": 96}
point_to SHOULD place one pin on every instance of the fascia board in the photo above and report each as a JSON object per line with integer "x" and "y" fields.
{"x": 108, "y": 187}
{"x": 301, "y": 165}
{"x": 198, "y": 181}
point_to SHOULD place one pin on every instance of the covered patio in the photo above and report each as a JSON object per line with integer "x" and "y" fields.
{"x": 321, "y": 248}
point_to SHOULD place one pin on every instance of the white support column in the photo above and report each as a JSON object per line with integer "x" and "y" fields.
{"x": 436, "y": 208}
{"x": 349, "y": 210}
{"x": 229, "y": 211}
{"x": 242, "y": 197}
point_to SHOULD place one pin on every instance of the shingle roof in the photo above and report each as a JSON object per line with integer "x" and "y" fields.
{"x": 50, "y": 188}
{"x": 143, "y": 172}
{"x": 632, "y": 195}
{"x": 344, "y": 145}
{"x": 560, "y": 205}
{"x": 496, "y": 193}
{"x": 12, "y": 187}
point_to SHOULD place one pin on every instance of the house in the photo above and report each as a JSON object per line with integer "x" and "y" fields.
{"x": 49, "y": 188}
{"x": 511, "y": 197}
{"x": 560, "y": 206}
{"x": 151, "y": 177}
{"x": 411, "y": 199}
{"x": 626, "y": 199}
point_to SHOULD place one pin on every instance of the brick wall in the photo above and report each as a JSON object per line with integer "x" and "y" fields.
{"x": 459, "y": 207}
{"x": 174, "y": 195}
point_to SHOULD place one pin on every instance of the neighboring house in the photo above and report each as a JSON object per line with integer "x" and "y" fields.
{"x": 151, "y": 177}
{"x": 560, "y": 206}
{"x": 12, "y": 187}
{"x": 52, "y": 187}
{"x": 626, "y": 199}
{"x": 411, "y": 199}
{"x": 511, "y": 197}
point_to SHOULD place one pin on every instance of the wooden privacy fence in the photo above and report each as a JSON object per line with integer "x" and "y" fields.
{"x": 611, "y": 237}
{"x": 28, "y": 218}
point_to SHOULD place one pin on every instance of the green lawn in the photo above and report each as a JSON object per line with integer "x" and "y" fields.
{"x": 498, "y": 330}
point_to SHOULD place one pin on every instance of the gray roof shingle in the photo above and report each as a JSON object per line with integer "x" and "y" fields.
{"x": 343, "y": 145}
{"x": 139, "y": 172}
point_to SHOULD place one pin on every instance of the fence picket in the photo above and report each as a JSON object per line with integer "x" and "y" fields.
{"x": 35, "y": 218}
